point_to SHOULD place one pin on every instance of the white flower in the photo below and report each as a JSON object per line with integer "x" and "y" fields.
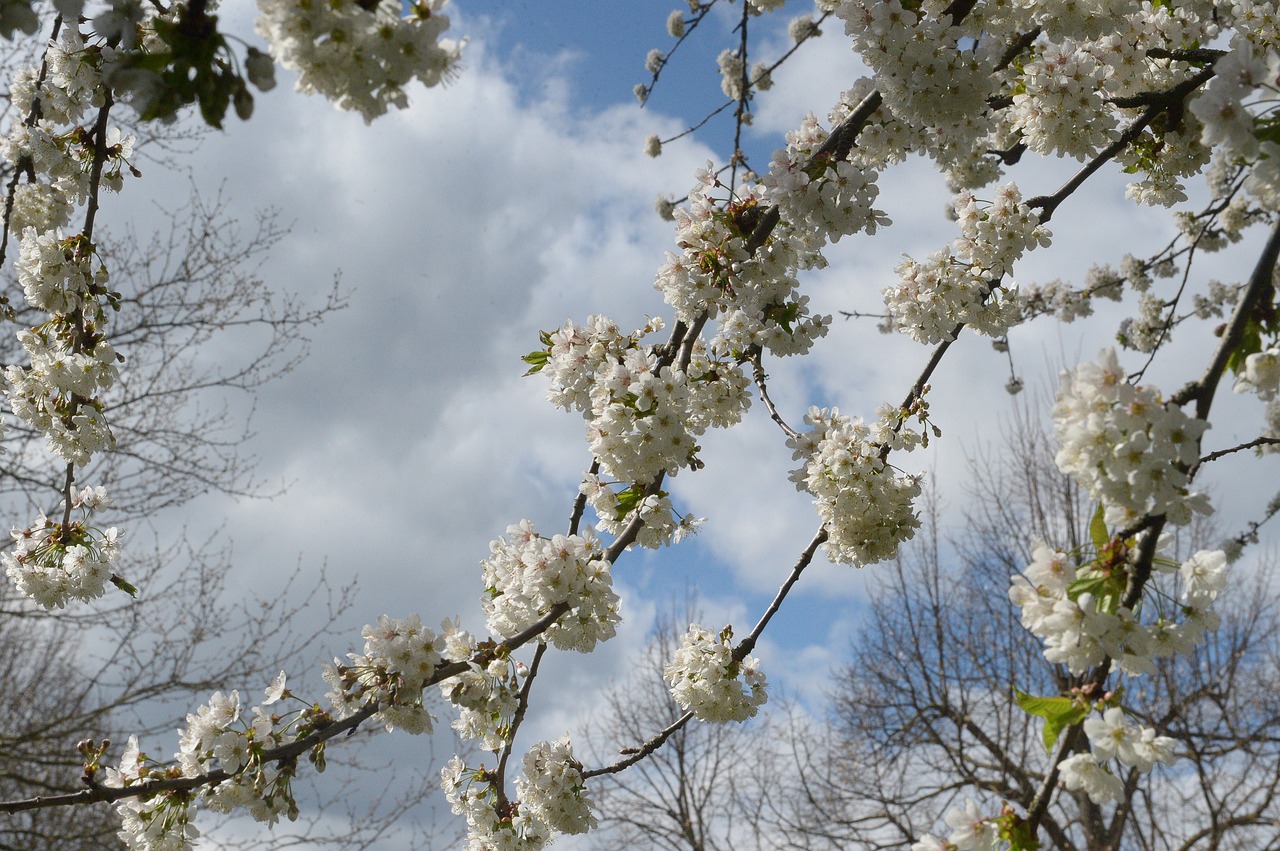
{"x": 705, "y": 678}
{"x": 1083, "y": 772}
{"x": 731, "y": 68}
{"x": 1204, "y": 575}
{"x": 1113, "y": 737}
{"x": 970, "y": 829}
{"x": 527, "y": 575}
{"x": 1125, "y": 446}
{"x": 867, "y": 507}
{"x": 802, "y": 27}
{"x": 675, "y": 24}
{"x": 1261, "y": 374}
{"x": 552, "y": 788}
{"x": 400, "y": 656}
{"x": 360, "y": 55}
{"x": 276, "y": 690}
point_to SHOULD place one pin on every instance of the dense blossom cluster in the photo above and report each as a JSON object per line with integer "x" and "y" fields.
{"x": 71, "y": 362}
{"x": 708, "y": 679}
{"x": 528, "y": 575}
{"x": 486, "y": 694}
{"x": 949, "y": 86}
{"x": 552, "y": 799}
{"x": 218, "y": 735}
{"x": 1125, "y": 446}
{"x": 866, "y": 506}
{"x": 1076, "y": 611}
{"x": 820, "y": 198}
{"x": 400, "y": 655}
{"x": 360, "y": 55}
{"x": 643, "y": 418}
{"x": 752, "y": 293}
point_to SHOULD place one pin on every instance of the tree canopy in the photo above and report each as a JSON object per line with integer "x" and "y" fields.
{"x": 119, "y": 357}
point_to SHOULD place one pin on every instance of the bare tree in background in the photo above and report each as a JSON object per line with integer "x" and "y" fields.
{"x": 685, "y": 796}
{"x": 179, "y": 435}
{"x": 922, "y": 717}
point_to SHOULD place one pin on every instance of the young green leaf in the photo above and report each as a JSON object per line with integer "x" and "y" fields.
{"x": 1058, "y": 713}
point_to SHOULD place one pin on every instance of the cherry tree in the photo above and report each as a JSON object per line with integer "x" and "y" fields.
{"x": 923, "y": 719}
{"x": 1166, "y": 91}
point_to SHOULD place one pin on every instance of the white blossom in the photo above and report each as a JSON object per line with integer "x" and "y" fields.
{"x": 706, "y": 679}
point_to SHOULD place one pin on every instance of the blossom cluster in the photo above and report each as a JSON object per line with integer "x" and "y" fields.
{"x": 866, "y": 506}
{"x": 59, "y": 393}
{"x": 486, "y": 694}
{"x": 218, "y": 736}
{"x": 947, "y": 85}
{"x": 71, "y": 361}
{"x": 820, "y": 198}
{"x": 1261, "y": 374}
{"x": 707, "y": 679}
{"x": 400, "y": 656}
{"x": 1228, "y": 123}
{"x": 552, "y": 800}
{"x": 960, "y": 285}
{"x": 953, "y": 88}
{"x": 1077, "y": 612}
{"x": 400, "y": 659}
{"x": 1125, "y": 446}
{"x": 54, "y": 563}
{"x": 752, "y": 293}
{"x": 643, "y": 418}
{"x": 659, "y": 524}
{"x": 527, "y": 576}
{"x": 360, "y": 55}
{"x": 1113, "y": 737}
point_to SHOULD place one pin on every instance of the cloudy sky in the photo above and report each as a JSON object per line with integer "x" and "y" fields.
{"x": 503, "y": 204}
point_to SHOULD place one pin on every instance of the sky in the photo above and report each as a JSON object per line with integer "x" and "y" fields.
{"x": 511, "y": 200}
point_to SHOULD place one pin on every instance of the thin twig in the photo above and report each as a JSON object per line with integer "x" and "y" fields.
{"x": 758, "y": 374}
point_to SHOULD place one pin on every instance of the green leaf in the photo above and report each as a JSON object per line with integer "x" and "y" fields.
{"x": 1020, "y": 837}
{"x": 1098, "y": 528}
{"x": 1268, "y": 130}
{"x": 536, "y": 360}
{"x": 629, "y": 500}
{"x": 784, "y": 315}
{"x": 1058, "y": 713}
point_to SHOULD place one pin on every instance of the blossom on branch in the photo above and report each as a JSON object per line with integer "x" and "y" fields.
{"x": 866, "y": 506}
{"x": 527, "y": 575}
{"x": 360, "y": 55}
{"x": 707, "y": 679}
{"x": 1125, "y": 446}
